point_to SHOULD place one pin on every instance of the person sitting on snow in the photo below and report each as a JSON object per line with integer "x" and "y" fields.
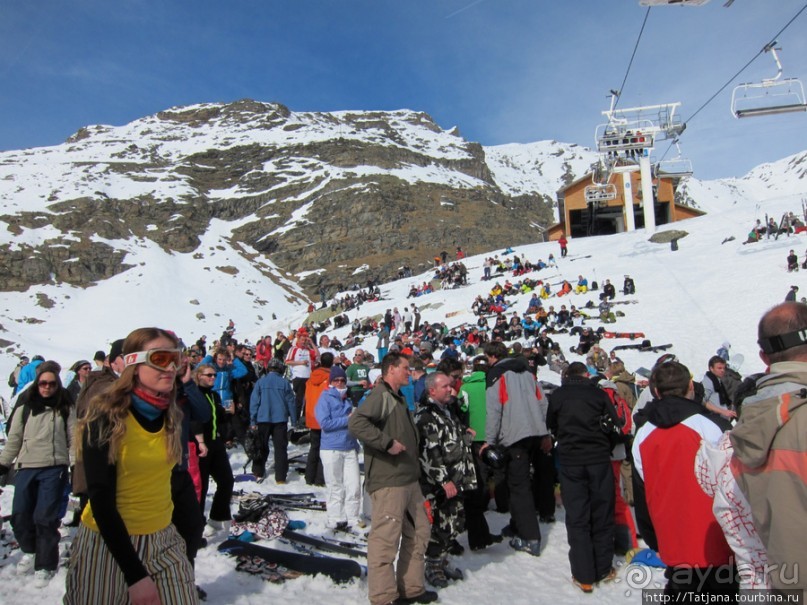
{"x": 792, "y": 262}
{"x": 534, "y": 304}
{"x": 608, "y": 291}
{"x": 582, "y": 285}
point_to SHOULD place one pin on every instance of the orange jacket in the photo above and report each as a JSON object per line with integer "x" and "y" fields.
{"x": 320, "y": 378}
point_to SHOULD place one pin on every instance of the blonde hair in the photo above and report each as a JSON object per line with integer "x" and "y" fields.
{"x": 107, "y": 411}
{"x": 198, "y": 370}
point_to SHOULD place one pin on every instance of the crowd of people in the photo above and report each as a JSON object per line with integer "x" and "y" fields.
{"x": 449, "y": 420}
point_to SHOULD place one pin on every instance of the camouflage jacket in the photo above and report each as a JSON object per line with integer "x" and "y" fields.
{"x": 445, "y": 453}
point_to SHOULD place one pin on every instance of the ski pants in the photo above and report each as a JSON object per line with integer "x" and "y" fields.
{"x": 341, "y": 469}
{"x": 400, "y": 528}
{"x": 280, "y": 440}
{"x": 35, "y": 513}
{"x": 588, "y": 495}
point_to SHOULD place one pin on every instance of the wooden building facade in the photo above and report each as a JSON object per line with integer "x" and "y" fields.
{"x": 578, "y": 218}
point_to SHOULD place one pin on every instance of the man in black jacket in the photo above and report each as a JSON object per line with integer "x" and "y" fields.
{"x": 586, "y": 479}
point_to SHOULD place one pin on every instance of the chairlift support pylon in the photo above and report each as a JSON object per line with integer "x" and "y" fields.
{"x": 633, "y": 133}
{"x": 771, "y": 96}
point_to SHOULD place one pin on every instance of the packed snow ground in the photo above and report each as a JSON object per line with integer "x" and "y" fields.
{"x": 705, "y": 293}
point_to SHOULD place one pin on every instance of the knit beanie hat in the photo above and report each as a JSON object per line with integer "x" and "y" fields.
{"x": 337, "y": 372}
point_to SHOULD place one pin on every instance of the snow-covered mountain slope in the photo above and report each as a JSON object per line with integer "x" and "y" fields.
{"x": 204, "y": 213}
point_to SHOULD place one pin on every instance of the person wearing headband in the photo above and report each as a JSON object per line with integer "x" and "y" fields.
{"x": 769, "y": 445}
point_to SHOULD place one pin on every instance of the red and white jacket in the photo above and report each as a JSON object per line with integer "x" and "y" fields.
{"x": 664, "y": 453}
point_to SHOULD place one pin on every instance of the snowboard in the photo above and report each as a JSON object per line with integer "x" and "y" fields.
{"x": 271, "y": 572}
{"x": 657, "y": 348}
{"x": 629, "y": 335}
{"x": 644, "y": 347}
{"x": 736, "y": 361}
{"x": 339, "y": 570}
{"x": 318, "y": 542}
{"x": 640, "y": 346}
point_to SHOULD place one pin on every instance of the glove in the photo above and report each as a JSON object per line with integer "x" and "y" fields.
{"x": 4, "y": 470}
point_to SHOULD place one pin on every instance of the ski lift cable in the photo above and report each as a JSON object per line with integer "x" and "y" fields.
{"x": 764, "y": 49}
{"x": 630, "y": 63}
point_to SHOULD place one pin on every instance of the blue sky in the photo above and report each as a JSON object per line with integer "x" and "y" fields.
{"x": 501, "y": 70}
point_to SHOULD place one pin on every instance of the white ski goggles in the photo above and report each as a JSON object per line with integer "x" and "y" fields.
{"x": 159, "y": 359}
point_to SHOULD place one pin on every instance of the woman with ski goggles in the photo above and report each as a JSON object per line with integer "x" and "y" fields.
{"x": 126, "y": 548}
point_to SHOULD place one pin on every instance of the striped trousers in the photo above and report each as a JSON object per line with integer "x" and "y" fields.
{"x": 94, "y": 577}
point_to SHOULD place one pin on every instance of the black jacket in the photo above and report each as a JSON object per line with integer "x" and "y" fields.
{"x": 575, "y": 410}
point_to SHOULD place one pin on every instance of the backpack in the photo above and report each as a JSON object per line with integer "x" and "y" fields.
{"x": 623, "y": 412}
{"x": 252, "y": 445}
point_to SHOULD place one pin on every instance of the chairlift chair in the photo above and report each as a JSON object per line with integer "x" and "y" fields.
{"x": 771, "y": 96}
{"x": 600, "y": 194}
{"x": 616, "y": 138}
{"x": 601, "y": 190}
{"x": 678, "y": 167}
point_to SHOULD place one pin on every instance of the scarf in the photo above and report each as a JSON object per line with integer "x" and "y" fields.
{"x": 148, "y": 405}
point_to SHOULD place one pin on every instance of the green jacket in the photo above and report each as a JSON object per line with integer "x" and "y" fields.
{"x": 472, "y": 402}
{"x": 383, "y": 417}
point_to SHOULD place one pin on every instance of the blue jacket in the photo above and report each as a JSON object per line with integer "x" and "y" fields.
{"x": 27, "y": 374}
{"x": 332, "y": 413}
{"x": 408, "y": 392}
{"x": 272, "y": 400}
{"x": 420, "y": 387}
{"x": 225, "y": 376}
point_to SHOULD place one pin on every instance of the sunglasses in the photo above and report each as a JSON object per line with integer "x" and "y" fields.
{"x": 50, "y": 384}
{"x": 159, "y": 359}
{"x": 208, "y": 375}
